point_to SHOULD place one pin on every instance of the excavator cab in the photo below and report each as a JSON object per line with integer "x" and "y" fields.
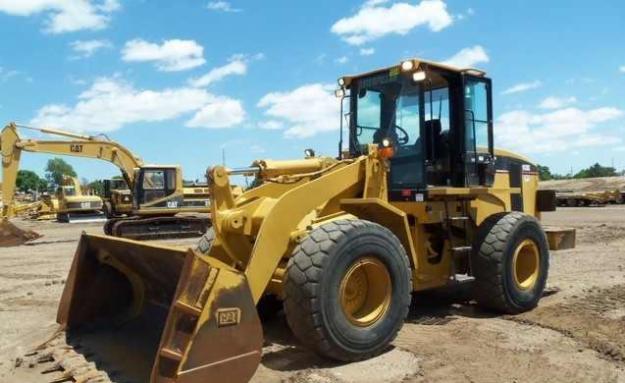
{"x": 156, "y": 186}
{"x": 435, "y": 124}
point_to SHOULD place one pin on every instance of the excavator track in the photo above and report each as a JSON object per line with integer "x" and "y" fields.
{"x": 157, "y": 227}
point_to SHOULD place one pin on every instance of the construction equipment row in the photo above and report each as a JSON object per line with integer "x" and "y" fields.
{"x": 155, "y": 205}
{"x": 596, "y": 198}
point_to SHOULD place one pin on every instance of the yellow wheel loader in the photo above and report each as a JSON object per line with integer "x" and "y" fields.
{"x": 418, "y": 198}
{"x": 159, "y": 206}
{"x": 117, "y": 198}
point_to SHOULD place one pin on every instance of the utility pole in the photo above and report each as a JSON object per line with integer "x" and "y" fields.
{"x": 223, "y": 156}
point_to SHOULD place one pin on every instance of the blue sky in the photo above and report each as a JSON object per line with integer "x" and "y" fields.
{"x": 180, "y": 81}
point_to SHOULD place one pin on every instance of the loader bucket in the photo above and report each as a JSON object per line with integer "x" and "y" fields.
{"x": 560, "y": 238}
{"x": 159, "y": 314}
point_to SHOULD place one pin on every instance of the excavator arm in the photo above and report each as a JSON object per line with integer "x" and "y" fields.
{"x": 78, "y": 145}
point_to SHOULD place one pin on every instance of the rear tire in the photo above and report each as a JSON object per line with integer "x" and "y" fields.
{"x": 107, "y": 209}
{"x": 348, "y": 289}
{"x": 510, "y": 263}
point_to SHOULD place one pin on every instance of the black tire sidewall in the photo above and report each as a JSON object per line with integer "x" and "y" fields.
{"x": 524, "y": 299}
{"x": 366, "y": 241}
{"x": 108, "y": 211}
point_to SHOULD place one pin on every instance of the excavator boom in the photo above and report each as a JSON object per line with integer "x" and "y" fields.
{"x": 12, "y": 147}
{"x": 154, "y": 210}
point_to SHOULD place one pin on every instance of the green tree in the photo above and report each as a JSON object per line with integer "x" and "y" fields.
{"x": 56, "y": 169}
{"x": 544, "y": 174}
{"x": 27, "y": 180}
{"x": 97, "y": 187}
{"x": 596, "y": 170}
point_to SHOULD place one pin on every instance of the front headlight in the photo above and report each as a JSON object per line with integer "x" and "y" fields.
{"x": 418, "y": 76}
{"x": 407, "y": 66}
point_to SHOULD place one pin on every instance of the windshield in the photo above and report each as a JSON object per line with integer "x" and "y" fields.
{"x": 388, "y": 106}
{"x": 117, "y": 184}
{"x": 69, "y": 191}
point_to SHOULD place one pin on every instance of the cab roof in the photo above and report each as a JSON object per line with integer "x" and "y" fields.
{"x": 419, "y": 64}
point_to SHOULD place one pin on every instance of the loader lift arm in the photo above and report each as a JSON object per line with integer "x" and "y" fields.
{"x": 12, "y": 147}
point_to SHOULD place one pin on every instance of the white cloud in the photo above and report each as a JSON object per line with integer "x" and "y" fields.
{"x": 469, "y": 12}
{"x": 523, "y": 87}
{"x": 622, "y": 69}
{"x": 305, "y": 111}
{"x": 87, "y": 48}
{"x": 111, "y": 103}
{"x": 367, "y": 51}
{"x": 222, "y": 6}
{"x": 64, "y": 15}
{"x": 271, "y": 125}
{"x": 236, "y": 67}
{"x": 555, "y": 131}
{"x": 468, "y": 57}
{"x": 374, "y": 20}
{"x": 556, "y": 102}
{"x": 342, "y": 60}
{"x": 7, "y": 74}
{"x": 222, "y": 112}
{"x": 170, "y": 56}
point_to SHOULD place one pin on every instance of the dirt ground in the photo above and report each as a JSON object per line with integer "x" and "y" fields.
{"x": 577, "y": 334}
{"x": 586, "y": 184}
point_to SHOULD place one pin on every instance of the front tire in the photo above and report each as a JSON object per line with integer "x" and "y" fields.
{"x": 510, "y": 263}
{"x": 348, "y": 289}
{"x": 107, "y": 209}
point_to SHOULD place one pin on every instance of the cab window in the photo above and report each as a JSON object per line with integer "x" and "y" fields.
{"x": 387, "y": 108}
{"x": 476, "y": 116}
{"x": 157, "y": 184}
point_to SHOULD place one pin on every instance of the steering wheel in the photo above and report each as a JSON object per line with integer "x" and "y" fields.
{"x": 404, "y": 137}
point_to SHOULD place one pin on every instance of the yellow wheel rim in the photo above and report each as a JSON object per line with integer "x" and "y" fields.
{"x": 365, "y": 291}
{"x": 526, "y": 264}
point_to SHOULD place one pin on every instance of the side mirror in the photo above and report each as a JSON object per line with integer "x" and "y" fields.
{"x": 309, "y": 153}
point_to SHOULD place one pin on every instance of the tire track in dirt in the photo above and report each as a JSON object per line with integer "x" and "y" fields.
{"x": 588, "y": 320}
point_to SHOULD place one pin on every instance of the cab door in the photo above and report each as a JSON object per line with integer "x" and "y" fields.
{"x": 479, "y": 159}
{"x": 155, "y": 188}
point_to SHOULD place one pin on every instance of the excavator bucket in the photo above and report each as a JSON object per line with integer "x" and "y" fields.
{"x": 159, "y": 314}
{"x": 11, "y": 235}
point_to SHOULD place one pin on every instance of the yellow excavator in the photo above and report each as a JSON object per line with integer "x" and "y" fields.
{"x": 160, "y": 205}
{"x": 75, "y": 206}
{"x": 417, "y": 198}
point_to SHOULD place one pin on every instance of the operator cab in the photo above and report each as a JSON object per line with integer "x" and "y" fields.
{"x": 154, "y": 187}
{"x": 112, "y": 185}
{"x": 66, "y": 191}
{"x": 433, "y": 123}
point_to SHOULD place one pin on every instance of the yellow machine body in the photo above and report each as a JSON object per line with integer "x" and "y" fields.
{"x": 71, "y": 199}
{"x": 201, "y": 303}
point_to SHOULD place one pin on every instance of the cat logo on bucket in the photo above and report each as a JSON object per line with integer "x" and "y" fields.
{"x": 228, "y": 317}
